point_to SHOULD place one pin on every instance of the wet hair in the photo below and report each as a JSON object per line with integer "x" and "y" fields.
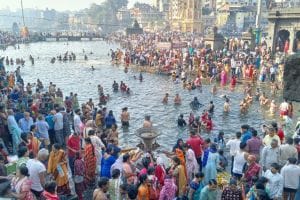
{"x": 22, "y": 151}
{"x": 221, "y": 133}
{"x": 115, "y": 173}
{"x": 50, "y": 187}
{"x": 243, "y": 145}
{"x": 32, "y": 127}
{"x": 102, "y": 182}
{"x": 238, "y": 135}
{"x": 199, "y": 175}
{"x": 24, "y": 170}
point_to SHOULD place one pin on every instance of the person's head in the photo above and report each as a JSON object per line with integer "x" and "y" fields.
{"x": 181, "y": 116}
{"x": 167, "y": 94}
{"x": 126, "y": 158}
{"x": 233, "y": 183}
{"x": 221, "y": 152}
{"x": 243, "y": 145}
{"x": 147, "y": 117}
{"x": 24, "y": 137}
{"x": 26, "y": 115}
{"x": 115, "y": 173}
{"x": 263, "y": 180}
{"x": 290, "y": 141}
{"x": 176, "y": 160}
{"x": 103, "y": 184}
{"x": 207, "y": 141}
{"x": 221, "y": 134}
{"x": 114, "y": 127}
{"x": 146, "y": 162}
{"x": 110, "y": 112}
{"x": 22, "y": 171}
{"x": 91, "y": 132}
{"x": 212, "y": 184}
{"x": 179, "y": 142}
{"x": 151, "y": 171}
{"x": 77, "y": 111}
{"x": 238, "y": 135}
{"x": 213, "y": 147}
{"x": 22, "y": 152}
{"x": 56, "y": 147}
{"x": 88, "y": 140}
{"x": 192, "y": 132}
{"x": 274, "y": 143}
{"x": 132, "y": 192}
{"x": 211, "y": 102}
{"x": 143, "y": 179}
{"x": 271, "y": 132}
{"x": 50, "y": 187}
{"x": 199, "y": 176}
{"x": 33, "y": 128}
{"x": 275, "y": 168}
{"x": 43, "y": 154}
{"x": 254, "y": 133}
{"x": 251, "y": 159}
{"x": 123, "y": 189}
{"x": 244, "y": 128}
{"x": 292, "y": 160}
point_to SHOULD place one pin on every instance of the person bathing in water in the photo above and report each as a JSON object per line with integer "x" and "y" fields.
{"x": 147, "y": 122}
{"x": 115, "y": 86}
{"x": 92, "y": 68}
{"x": 165, "y": 99}
{"x": 195, "y": 104}
{"x": 177, "y": 100}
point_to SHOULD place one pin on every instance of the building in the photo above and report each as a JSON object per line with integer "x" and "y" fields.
{"x": 185, "y": 15}
{"x": 146, "y": 15}
{"x": 124, "y": 16}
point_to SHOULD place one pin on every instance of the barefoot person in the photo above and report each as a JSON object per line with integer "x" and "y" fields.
{"x": 165, "y": 99}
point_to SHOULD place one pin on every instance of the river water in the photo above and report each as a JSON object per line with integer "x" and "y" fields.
{"x": 146, "y": 98}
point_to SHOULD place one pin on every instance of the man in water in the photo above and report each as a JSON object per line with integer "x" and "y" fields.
{"x": 147, "y": 122}
{"x": 177, "y": 100}
{"x": 125, "y": 117}
{"x": 181, "y": 122}
{"x": 115, "y": 86}
{"x": 166, "y": 98}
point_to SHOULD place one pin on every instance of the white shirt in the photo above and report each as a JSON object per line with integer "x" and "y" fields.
{"x": 275, "y": 184}
{"x": 77, "y": 123}
{"x": 234, "y": 146}
{"x": 284, "y": 106}
{"x": 290, "y": 174}
{"x": 239, "y": 162}
{"x": 35, "y": 167}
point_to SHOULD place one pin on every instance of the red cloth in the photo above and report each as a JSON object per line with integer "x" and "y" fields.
{"x": 74, "y": 143}
{"x": 160, "y": 174}
{"x": 209, "y": 125}
{"x": 196, "y": 143}
{"x": 280, "y": 134}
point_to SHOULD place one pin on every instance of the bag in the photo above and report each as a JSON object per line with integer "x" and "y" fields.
{"x": 78, "y": 179}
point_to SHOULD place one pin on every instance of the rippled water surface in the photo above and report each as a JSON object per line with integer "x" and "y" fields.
{"x": 76, "y": 76}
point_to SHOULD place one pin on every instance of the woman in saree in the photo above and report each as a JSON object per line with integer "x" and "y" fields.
{"x": 57, "y": 167}
{"x": 33, "y": 143}
{"x": 179, "y": 151}
{"x": 178, "y": 172}
{"x": 89, "y": 161}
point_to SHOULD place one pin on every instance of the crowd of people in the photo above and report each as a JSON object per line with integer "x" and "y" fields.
{"x": 60, "y": 143}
